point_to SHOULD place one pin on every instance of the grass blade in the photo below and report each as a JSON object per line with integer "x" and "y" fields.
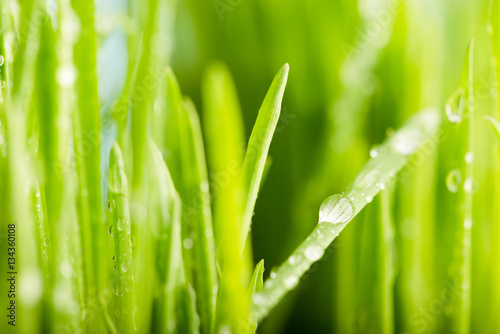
{"x": 121, "y": 231}
{"x": 224, "y": 131}
{"x": 186, "y": 163}
{"x": 393, "y": 155}
{"x": 177, "y": 296}
{"x": 256, "y": 285}
{"x": 258, "y": 148}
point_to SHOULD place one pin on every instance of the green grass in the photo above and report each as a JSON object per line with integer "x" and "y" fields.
{"x": 151, "y": 161}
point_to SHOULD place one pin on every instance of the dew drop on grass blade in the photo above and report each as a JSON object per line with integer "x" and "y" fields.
{"x": 124, "y": 290}
{"x": 392, "y": 157}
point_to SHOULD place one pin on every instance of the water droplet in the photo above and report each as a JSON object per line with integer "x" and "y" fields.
{"x": 291, "y": 281}
{"x": 2, "y": 60}
{"x": 453, "y": 180}
{"x": 455, "y": 106}
{"x": 111, "y": 205}
{"x": 187, "y": 243}
{"x": 114, "y": 258}
{"x": 293, "y": 259}
{"x": 369, "y": 199}
{"x": 381, "y": 186}
{"x": 373, "y": 153}
{"x": 272, "y": 274}
{"x": 470, "y": 185}
{"x": 469, "y": 157}
{"x": 314, "y": 252}
{"x": 110, "y": 231}
{"x": 117, "y": 312}
{"x": 259, "y": 299}
{"x": 116, "y": 290}
{"x": 468, "y": 223}
{"x": 45, "y": 241}
{"x": 125, "y": 266}
{"x": 121, "y": 224}
{"x": 336, "y": 209}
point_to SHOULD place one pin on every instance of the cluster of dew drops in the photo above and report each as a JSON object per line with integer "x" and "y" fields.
{"x": 125, "y": 265}
{"x": 455, "y": 111}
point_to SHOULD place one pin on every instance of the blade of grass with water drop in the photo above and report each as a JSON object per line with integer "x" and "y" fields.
{"x": 121, "y": 231}
{"x": 45, "y": 254}
{"x": 393, "y": 155}
{"x": 86, "y": 134}
{"x": 258, "y": 148}
{"x": 494, "y": 34}
{"x": 460, "y": 110}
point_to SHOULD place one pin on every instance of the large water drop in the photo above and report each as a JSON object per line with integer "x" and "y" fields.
{"x": 336, "y": 209}
{"x": 455, "y": 106}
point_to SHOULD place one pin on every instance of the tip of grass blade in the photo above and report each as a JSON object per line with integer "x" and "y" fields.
{"x": 495, "y": 125}
{"x": 117, "y": 179}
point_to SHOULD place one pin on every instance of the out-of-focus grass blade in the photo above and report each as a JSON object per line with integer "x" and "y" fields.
{"x": 187, "y": 318}
{"x": 186, "y": 162}
{"x": 44, "y": 242}
{"x": 460, "y": 110}
{"x": 256, "y": 285}
{"x": 86, "y": 134}
{"x": 338, "y": 210}
{"x": 224, "y": 133}
{"x": 258, "y": 148}
{"x": 141, "y": 86}
{"x": 175, "y": 296}
{"x": 495, "y": 125}
{"x": 494, "y": 34}
{"x": 375, "y": 305}
{"x": 121, "y": 232}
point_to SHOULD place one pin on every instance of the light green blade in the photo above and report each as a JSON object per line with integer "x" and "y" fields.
{"x": 121, "y": 232}
{"x": 258, "y": 148}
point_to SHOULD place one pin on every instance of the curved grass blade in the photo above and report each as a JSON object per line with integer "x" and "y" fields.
{"x": 258, "y": 148}
{"x": 256, "y": 285}
{"x": 338, "y": 210}
{"x": 121, "y": 231}
{"x": 495, "y": 125}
